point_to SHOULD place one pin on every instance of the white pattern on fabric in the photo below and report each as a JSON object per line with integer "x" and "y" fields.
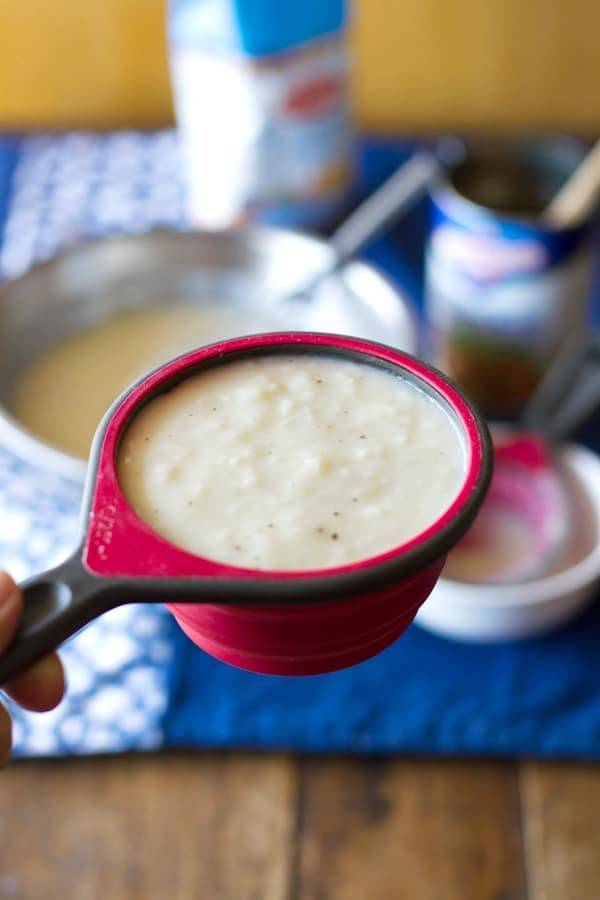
{"x": 66, "y": 188}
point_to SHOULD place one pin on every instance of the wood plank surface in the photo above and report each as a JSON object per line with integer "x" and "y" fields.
{"x": 561, "y": 820}
{"x": 241, "y": 827}
{"x": 417, "y": 830}
{"x": 168, "y": 827}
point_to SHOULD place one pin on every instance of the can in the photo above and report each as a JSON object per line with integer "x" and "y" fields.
{"x": 503, "y": 292}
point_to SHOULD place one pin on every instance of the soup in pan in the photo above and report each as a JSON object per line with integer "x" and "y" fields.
{"x": 64, "y": 393}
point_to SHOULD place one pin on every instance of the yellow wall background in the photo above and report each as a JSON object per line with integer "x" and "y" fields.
{"x": 420, "y": 64}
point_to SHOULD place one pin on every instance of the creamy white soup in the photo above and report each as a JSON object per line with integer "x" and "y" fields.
{"x": 64, "y": 393}
{"x": 291, "y": 462}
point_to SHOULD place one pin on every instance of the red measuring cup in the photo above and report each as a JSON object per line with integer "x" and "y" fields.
{"x": 276, "y": 622}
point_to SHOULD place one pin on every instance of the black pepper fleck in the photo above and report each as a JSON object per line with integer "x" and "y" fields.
{"x": 362, "y": 436}
{"x": 336, "y": 513}
{"x": 334, "y": 536}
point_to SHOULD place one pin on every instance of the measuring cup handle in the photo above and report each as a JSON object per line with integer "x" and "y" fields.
{"x": 57, "y": 603}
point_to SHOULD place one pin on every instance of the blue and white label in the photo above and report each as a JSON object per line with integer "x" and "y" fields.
{"x": 502, "y": 279}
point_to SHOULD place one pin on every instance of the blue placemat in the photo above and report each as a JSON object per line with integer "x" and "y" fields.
{"x": 135, "y": 680}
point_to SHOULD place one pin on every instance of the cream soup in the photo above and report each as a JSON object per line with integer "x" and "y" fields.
{"x": 291, "y": 463}
{"x": 63, "y": 395}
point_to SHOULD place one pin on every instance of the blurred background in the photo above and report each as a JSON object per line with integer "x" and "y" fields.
{"x": 419, "y": 66}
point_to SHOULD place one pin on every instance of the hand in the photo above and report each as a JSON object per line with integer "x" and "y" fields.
{"x": 41, "y": 687}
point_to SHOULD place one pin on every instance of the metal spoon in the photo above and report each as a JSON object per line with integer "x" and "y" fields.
{"x": 383, "y": 208}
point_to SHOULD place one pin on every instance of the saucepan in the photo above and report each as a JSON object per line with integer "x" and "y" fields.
{"x": 246, "y": 273}
{"x": 276, "y": 622}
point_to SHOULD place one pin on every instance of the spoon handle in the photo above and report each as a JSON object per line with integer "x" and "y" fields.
{"x": 569, "y": 394}
{"x": 577, "y": 198}
{"x": 385, "y": 206}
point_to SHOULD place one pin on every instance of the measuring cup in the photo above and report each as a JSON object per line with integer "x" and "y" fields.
{"x": 276, "y": 622}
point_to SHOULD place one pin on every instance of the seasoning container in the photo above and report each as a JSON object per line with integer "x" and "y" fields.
{"x": 504, "y": 291}
{"x": 261, "y": 103}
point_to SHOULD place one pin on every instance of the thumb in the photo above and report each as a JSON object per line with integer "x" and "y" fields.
{"x": 11, "y": 604}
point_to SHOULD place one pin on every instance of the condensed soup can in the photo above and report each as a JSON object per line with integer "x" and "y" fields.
{"x": 502, "y": 291}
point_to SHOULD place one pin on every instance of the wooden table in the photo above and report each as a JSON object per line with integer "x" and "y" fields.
{"x": 253, "y": 827}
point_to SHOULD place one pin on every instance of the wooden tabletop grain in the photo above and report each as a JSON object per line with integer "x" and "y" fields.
{"x": 260, "y": 827}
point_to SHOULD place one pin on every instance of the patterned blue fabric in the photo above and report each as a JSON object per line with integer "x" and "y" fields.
{"x": 135, "y": 681}
{"x": 57, "y": 190}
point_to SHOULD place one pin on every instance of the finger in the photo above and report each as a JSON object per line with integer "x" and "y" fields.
{"x": 41, "y": 687}
{"x": 11, "y": 605}
{"x": 5, "y": 736}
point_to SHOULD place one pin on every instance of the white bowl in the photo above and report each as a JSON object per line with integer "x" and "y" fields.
{"x": 503, "y": 612}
